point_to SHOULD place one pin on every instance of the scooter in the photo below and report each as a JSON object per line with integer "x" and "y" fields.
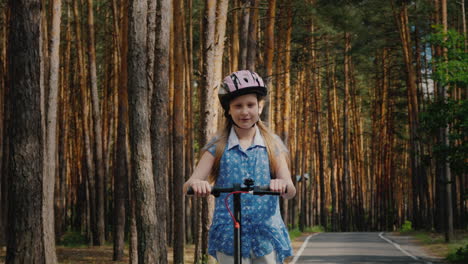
{"x": 236, "y": 190}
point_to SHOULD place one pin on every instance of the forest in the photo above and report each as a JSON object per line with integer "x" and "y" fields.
{"x": 105, "y": 106}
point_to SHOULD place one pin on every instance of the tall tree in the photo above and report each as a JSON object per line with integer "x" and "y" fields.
{"x": 159, "y": 122}
{"x": 50, "y": 162}
{"x": 401, "y": 18}
{"x": 178, "y": 130}
{"x": 443, "y": 95}
{"x": 99, "y": 236}
{"x": 244, "y": 33}
{"x": 269, "y": 56}
{"x": 82, "y": 75}
{"x": 140, "y": 140}
{"x": 252, "y": 35}
{"x": 346, "y": 179}
{"x": 331, "y": 163}
{"x": 122, "y": 168}
{"x": 26, "y": 234}
{"x": 3, "y": 142}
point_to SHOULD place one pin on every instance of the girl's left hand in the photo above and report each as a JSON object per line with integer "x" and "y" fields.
{"x": 278, "y": 185}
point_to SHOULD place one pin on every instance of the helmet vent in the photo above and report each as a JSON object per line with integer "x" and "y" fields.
{"x": 246, "y": 80}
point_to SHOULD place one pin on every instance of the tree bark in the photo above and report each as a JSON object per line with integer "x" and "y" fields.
{"x": 26, "y": 163}
{"x": 269, "y": 56}
{"x": 3, "y": 125}
{"x": 179, "y": 132}
{"x": 140, "y": 141}
{"x": 331, "y": 163}
{"x": 160, "y": 121}
{"x": 401, "y": 18}
{"x": 252, "y": 36}
{"x": 99, "y": 236}
{"x": 85, "y": 119}
{"x": 345, "y": 180}
{"x": 244, "y": 34}
{"x": 50, "y": 163}
{"x": 122, "y": 169}
{"x": 446, "y": 142}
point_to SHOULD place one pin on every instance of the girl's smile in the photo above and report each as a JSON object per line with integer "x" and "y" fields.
{"x": 245, "y": 110}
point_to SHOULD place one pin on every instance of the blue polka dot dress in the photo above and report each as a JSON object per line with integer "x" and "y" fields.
{"x": 263, "y": 229}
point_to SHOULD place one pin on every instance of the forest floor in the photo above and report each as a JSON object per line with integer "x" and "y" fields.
{"x": 430, "y": 242}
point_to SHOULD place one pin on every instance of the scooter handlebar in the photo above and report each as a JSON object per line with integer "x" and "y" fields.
{"x": 257, "y": 190}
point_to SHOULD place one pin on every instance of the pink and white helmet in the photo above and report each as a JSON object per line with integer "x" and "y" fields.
{"x": 240, "y": 83}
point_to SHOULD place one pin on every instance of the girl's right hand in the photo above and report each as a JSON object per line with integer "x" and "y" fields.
{"x": 201, "y": 188}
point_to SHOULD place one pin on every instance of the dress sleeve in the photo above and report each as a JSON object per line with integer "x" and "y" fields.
{"x": 280, "y": 146}
{"x": 211, "y": 146}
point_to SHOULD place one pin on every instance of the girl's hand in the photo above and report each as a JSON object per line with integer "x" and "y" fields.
{"x": 201, "y": 188}
{"x": 278, "y": 185}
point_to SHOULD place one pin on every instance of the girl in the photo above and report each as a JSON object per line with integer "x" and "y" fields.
{"x": 245, "y": 149}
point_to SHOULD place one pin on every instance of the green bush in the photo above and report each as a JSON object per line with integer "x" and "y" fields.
{"x": 460, "y": 256}
{"x": 73, "y": 239}
{"x": 315, "y": 229}
{"x": 406, "y": 227}
{"x": 293, "y": 233}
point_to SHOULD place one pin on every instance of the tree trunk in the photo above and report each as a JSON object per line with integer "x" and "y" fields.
{"x": 346, "y": 181}
{"x": 85, "y": 119}
{"x": 234, "y": 38}
{"x": 446, "y": 142}
{"x": 244, "y": 33}
{"x": 219, "y": 37}
{"x": 3, "y": 125}
{"x": 252, "y": 36}
{"x": 140, "y": 141}
{"x": 286, "y": 90}
{"x": 122, "y": 169}
{"x": 99, "y": 236}
{"x": 268, "y": 58}
{"x": 50, "y": 162}
{"x": 178, "y": 130}
{"x": 212, "y": 57}
{"x": 26, "y": 163}
{"x": 159, "y": 122}
{"x": 151, "y": 44}
{"x": 401, "y": 17}
{"x": 317, "y": 113}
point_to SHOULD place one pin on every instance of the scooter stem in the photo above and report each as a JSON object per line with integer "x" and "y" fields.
{"x": 237, "y": 229}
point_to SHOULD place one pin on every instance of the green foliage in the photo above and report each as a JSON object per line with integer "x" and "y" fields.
{"x": 406, "y": 227}
{"x": 454, "y": 68}
{"x": 73, "y": 239}
{"x": 315, "y": 229}
{"x": 204, "y": 259}
{"x": 460, "y": 255}
{"x": 450, "y": 71}
{"x": 293, "y": 233}
{"x": 455, "y": 114}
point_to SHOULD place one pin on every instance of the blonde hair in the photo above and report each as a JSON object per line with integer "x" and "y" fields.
{"x": 273, "y": 147}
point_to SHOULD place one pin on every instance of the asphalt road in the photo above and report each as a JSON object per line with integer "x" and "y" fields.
{"x": 370, "y": 247}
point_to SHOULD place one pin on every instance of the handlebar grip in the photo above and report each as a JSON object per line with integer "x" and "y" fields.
{"x": 265, "y": 190}
{"x": 190, "y": 191}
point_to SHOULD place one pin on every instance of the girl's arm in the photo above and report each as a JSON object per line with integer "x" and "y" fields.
{"x": 283, "y": 181}
{"x": 198, "y": 180}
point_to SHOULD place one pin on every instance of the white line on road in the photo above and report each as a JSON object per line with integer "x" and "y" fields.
{"x": 400, "y": 248}
{"x": 299, "y": 253}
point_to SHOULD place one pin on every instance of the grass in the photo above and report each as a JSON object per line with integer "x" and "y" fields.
{"x": 295, "y": 233}
{"x": 456, "y": 251}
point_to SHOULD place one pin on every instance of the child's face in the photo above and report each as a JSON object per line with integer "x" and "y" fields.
{"x": 245, "y": 110}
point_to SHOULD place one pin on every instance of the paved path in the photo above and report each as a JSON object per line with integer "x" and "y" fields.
{"x": 368, "y": 248}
